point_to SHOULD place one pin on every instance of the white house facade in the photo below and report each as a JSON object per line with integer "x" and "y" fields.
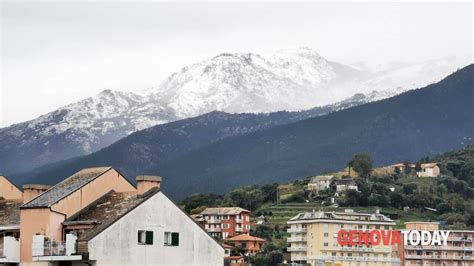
{"x": 176, "y": 238}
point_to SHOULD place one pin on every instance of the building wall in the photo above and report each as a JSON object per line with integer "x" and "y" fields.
{"x": 458, "y": 252}
{"x": 231, "y": 221}
{"x": 48, "y": 221}
{"x": 429, "y": 172}
{"x": 111, "y": 180}
{"x": 32, "y": 221}
{"x": 8, "y": 190}
{"x": 321, "y": 244}
{"x": 117, "y": 245}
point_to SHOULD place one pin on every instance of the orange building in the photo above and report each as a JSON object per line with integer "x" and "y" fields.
{"x": 226, "y": 221}
{"x": 252, "y": 244}
{"x": 458, "y": 252}
{"x": 8, "y": 190}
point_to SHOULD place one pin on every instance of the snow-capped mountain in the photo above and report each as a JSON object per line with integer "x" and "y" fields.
{"x": 246, "y": 82}
{"x": 234, "y": 82}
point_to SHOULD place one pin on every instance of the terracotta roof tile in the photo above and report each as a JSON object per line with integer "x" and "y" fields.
{"x": 10, "y": 212}
{"x": 246, "y": 237}
{"x": 224, "y": 211}
{"x": 106, "y": 210}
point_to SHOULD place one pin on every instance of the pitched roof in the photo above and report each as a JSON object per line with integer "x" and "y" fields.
{"x": 66, "y": 187}
{"x": 106, "y": 210}
{"x": 224, "y": 211}
{"x": 428, "y": 165}
{"x": 246, "y": 237}
{"x": 10, "y": 212}
{"x": 319, "y": 178}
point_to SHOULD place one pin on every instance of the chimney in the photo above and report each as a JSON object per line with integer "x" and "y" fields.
{"x": 147, "y": 182}
{"x": 30, "y": 191}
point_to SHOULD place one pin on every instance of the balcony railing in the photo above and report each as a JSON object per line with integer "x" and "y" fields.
{"x": 298, "y": 258}
{"x": 214, "y": 221}
{"x": 354, "y": 258}
{"x": 297, "y": 248}
{"x": 50, "y": 250}
{"x": 460, "y": 248}
{"x": 239, "y": 220}
{"x": 214, "y": 230}
{"x": 10, "y": 250}
{"x": 297, "y": 239}
{"x": 297, "y": 230}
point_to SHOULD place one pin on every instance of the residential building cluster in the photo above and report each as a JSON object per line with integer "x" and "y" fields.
{"x": 97, "y": 217}
{"x": 313, "y": 241}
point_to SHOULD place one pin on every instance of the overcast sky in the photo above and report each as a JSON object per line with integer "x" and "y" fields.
{"x": 56, "y": 53}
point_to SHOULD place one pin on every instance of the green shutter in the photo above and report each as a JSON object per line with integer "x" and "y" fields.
{"x": 175, "y": 239}
{"x": 149, "y": 237}
{"x": 139, "y": 237}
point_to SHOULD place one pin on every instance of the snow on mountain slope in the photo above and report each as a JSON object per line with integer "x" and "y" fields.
{"x": 234, "y": 82}
{"x": 246, "y": 82}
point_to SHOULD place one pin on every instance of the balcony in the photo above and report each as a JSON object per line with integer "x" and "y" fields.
{"x": 214, "y": 230}
{"x": 214, "y": 221}
{"x": 393, "y": 261}
{"x": 50, "y": 250}
{"x": 298, "y": 258}
{"x": 239, "y": 229}
{"x": 300, "y": 248}
{"x": 297, "y": 239}
{"x": 297, "y": 230}
{"x": 239, "y": 220}
{"x": 9, "y": 250}
{"x": 459, "y": 248}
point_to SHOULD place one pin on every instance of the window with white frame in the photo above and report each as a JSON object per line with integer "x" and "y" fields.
{"x": 145, "y": 237}
{"x": 171, "y": 239}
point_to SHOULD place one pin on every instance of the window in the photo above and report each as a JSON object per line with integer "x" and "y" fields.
{"x": 145, "y": 237}
{"x": 171, "y": 239}
{"x": 326, "y": 244}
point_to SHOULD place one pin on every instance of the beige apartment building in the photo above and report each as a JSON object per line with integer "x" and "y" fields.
{"x": 314, "y": 239}
{"x": 458, "y": 252}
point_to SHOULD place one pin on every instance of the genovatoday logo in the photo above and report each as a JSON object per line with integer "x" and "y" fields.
{"x": 392, "y": 237}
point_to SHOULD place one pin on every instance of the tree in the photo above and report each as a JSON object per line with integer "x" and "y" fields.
{"x": 274, "y": 258}
{"x": 362, "y": 164}
{"x": 198, "y": 200}
{"x": 418, "y": 167}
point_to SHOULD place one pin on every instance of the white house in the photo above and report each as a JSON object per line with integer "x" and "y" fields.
{"x": 429, "y": 170}
{"x": 153, "y": 231}
{"x": 320, "y": 182}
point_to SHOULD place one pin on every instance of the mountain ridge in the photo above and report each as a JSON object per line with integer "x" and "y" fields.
{"x": 239, "y": 82}
{"x": 395, "y": 129}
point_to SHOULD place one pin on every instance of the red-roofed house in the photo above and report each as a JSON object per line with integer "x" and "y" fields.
{"x": 252, "y": 244}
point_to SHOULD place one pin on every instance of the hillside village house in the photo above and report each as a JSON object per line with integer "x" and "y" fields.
{"x": 251, "y": 244}
{"x": 226, "y": 222}
{"x": 429, "y": 170}
{"x": 320, "y": 182}
{"x": 400, "y": 167}
{"x": 344, "y": 185}
{"x": 97, "y": 217}
{"x": 313, "y": 239}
